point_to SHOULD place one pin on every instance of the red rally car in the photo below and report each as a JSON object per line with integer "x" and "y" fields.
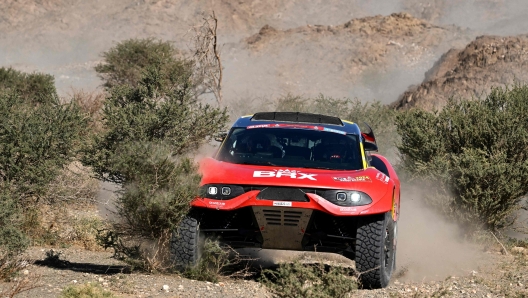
{"x": 297, "y": 181}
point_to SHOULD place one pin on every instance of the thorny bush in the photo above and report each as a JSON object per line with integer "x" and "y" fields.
{"x": 151, "y": 121}
{"x": 475, "y": 154}
{"x": 298, "y": 279}
{"x": 38, "y": 137}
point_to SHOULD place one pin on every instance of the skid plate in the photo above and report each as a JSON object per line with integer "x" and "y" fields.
{"x": 282, "y": 227}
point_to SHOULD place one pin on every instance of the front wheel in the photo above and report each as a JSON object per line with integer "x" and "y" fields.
{"x": 376, "y": 250}
{"x": 185, "y": 242}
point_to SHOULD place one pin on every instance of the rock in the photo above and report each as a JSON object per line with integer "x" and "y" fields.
{"x": 518, "y": 250}
{"x": 26, "y": 272}
{"x": 165, "y": 288}
{"x": 74, "y": 281}
{"x": 101, "y": 279}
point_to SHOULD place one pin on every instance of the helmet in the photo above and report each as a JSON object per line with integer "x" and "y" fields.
{"x": 258, "y": 143}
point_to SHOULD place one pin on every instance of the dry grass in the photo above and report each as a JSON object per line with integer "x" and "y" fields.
{"x": 15, "y": 282}
{"x": 66, "y": 214}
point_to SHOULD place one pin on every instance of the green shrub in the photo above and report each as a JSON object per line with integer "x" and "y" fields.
{"x": 474, "y": 152}
{"x": 36, "y": 141}
{"x": 298, "y": 279}
{"x": 12, "y": 239}
{"x": 127, "y": 62}
{"x": 34, "y": 88}
{"x": 378, "y": 116}
{"x": 87, "y": 290}
{"x": 38, "y": 137}
{"x": 218, "y": 261}
{"x": 148, "y": 128}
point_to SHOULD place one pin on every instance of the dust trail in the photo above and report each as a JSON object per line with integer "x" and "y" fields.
{"x": 106, "y": 200}
{"x": 429, "y": 246}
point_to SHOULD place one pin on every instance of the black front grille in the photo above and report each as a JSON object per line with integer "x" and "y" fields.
{"x": 283, "y": 194}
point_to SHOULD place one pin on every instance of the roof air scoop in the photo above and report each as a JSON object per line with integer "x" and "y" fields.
{"x": 296, "y": 117}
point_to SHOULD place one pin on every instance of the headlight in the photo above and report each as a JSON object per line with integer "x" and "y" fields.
{"x": 355, "y": 197}
{"x": 226, "y": 190}
{"x": 212, "y": 190}
{"x": 221, "y": 192}
{"x": 345, "y": 197}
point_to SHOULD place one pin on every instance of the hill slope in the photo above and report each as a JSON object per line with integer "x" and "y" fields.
{"x": 486, "y": 62}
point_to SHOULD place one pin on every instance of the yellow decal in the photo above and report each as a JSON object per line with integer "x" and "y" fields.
{"x": 393, "y": 209}
{"x": 365, "y": 165}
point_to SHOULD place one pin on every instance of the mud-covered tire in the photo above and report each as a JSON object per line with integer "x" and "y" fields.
{"x": 185, "y": 247}
{"x": 376, "y": 250}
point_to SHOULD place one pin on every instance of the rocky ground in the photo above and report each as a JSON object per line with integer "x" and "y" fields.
{"x": 499, "y": 275}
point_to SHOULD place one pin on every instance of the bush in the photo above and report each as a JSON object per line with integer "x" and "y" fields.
{"x": 379, "y": 117}
{"x": 38, "y": 137}
{"x": 12, "y": 239}
{"x": 149, "y": 125}
{"x": 298, "y": 279}
{"x": 217, "y": 261}
{"x": 34, "y": 88}
{"x": 127, "y": 62}
{"x": 474, "y": 152}
{"x": 87, "y": 290}
{"x": 36, "y": 141}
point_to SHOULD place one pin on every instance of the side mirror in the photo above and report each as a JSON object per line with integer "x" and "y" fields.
{"x": 370, "y": 146}
{"x": 369, "y": 143}
{"x": 220, "y": 137}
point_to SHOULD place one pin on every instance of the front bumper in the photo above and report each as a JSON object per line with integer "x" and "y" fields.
{"x": 314, "y": 202}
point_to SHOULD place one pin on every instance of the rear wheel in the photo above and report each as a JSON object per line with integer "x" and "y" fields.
{"x": 185, "y": 244}
{"x": 376, "y": 250}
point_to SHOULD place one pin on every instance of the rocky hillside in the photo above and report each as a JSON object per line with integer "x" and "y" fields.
{"x": 488, "y": 61}
{"x": 369, "y": 58}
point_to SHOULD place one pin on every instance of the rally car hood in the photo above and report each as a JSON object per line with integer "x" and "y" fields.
{"x": 370, "y": 181}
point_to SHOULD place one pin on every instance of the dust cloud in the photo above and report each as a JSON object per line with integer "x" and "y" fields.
{"x": 430, "y": 248}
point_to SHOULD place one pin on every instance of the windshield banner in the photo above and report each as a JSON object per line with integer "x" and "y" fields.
{"x": 300, "y": 126}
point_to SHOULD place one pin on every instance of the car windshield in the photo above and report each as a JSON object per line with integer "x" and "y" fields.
{"x": 292, "y": 147}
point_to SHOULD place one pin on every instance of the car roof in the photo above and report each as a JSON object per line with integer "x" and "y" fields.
{"x": 298, "y": 118}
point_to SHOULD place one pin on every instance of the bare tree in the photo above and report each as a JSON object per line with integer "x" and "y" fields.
{"x": 207, "y": 56}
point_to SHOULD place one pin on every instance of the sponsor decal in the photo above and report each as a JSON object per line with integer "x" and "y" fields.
{"x": 302, "y": 126}
{"x": 282, "y": 204}
{"x": 348, "y": 209}
{"x": 353, "y": 179}
{"x": 258, "y": 126}
{"x": 382, "y": 177}
{"x": 294, "y": 174}
{"x": 334, "y": 130}
{"x": 217, "y": 203}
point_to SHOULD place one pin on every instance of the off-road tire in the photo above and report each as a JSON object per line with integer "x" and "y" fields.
{"x": 185, "y": 247}
{"x": 376, "y": 250}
